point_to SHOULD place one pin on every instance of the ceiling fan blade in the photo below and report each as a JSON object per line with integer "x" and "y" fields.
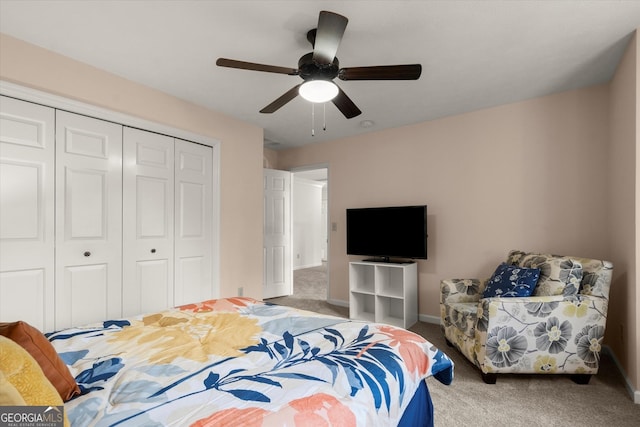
{"x": 232, "y": 63}
{"x": 278, "y": 103}
{"x": 346, "y": 105}
{"x": 382, "y": 72}
{"x": 331, "y": 27}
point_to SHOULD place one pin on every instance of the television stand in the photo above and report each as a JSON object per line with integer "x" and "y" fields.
{"x": 384, "y": 292}
{"x": 387, "y": 260}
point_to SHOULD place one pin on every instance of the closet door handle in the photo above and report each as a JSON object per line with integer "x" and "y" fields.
{"x": 87, "y": 253}
{"x": 153, "y": 251}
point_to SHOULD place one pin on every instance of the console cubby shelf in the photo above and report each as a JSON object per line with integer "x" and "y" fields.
{"x": 384, "y": 292}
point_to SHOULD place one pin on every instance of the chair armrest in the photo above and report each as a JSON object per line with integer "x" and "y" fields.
{"x": 461, "y": 290}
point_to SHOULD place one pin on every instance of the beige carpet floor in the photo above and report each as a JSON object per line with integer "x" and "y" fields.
{"x": 515, "y": 400}
{"x": 310, "y": 292}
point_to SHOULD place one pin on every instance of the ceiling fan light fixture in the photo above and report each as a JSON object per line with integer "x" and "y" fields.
{"x": 318, "y": 91}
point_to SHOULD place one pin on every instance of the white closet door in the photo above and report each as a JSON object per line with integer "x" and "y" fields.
{"x": 26, "y": 213}
{"x": 193, "y": 213}
{"x": 148, "y": 222}
{"x": 88, "y": 220}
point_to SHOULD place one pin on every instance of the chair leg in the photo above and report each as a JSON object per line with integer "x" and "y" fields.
{"x": 581, "y": 379}
{"x": 489, "y": 378}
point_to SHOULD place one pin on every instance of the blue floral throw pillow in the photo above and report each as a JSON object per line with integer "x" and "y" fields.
{"x": 512, "y": 281}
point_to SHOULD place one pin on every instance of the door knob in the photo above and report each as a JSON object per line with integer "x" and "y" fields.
{"x": 87, "y": 253}
{"x": 153, "y": 251}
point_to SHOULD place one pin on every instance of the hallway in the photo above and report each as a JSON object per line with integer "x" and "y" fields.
{"x": 310, "y": 292}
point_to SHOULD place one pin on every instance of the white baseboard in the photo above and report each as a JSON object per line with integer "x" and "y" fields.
{"x": 302, "y": 267}
{"x": 429, "y": 319}
{"x": 634, "y": 394}
{"x": 338, "y": 302}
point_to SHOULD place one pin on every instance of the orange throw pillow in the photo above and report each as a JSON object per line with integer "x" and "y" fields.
{"x": 39, "y": 347}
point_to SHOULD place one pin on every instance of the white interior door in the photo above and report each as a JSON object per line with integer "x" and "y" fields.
{"x": 88, "y": 220}
{"x": 278, "y": 275}
{"x": 147, "y": 250}
{"x": 194, "y": 222}
{"x": 27, "y": 213}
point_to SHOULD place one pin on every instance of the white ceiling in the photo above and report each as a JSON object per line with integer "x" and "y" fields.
{"x": 474, "y": 54}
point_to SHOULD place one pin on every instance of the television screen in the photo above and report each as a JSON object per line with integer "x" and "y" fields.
{"x": 388, "y": 232}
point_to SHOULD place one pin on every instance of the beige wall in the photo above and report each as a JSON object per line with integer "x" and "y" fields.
{"x": 623, "y": 322}
{"x": 529, "y": 176}
{"x": 241, "y": 145}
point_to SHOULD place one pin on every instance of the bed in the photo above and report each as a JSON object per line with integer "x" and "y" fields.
{"x": 242, "y": 362}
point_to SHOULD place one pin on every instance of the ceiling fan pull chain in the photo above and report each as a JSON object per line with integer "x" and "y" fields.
{"x": 313, "y": 119}
{"x": 324, "y": 116}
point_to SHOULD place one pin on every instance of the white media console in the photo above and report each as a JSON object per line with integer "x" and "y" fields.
{"x": 384, "y": 292}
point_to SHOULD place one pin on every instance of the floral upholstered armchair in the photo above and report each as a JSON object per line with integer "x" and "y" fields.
{"x": 537, "y": 314}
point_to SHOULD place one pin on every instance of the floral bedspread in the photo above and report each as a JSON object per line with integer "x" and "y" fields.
{"x": 238, "y": 361}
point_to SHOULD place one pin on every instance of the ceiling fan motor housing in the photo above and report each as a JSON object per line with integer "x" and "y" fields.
{"x": 309, "y": 69}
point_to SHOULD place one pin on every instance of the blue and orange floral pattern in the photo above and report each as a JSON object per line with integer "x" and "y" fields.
{"x": 242, "y": 362}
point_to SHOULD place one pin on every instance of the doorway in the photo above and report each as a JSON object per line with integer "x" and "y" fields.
{"x": 310, "y": 249}
{"x": 310, "y": 258}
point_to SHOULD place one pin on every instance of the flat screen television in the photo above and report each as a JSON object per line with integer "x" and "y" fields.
{"x": 388, "y": 232}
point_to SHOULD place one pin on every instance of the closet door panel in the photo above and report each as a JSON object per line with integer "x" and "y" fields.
{"x": 21, "y": 217}
{"x": 88, "y": 219}
{"x": 193, "y": 234}
{"x": 148, "y": 207}
{"x": 24, "y": 296}
{"x": 86, "y": 204}
{"x": 154, "y": 286}
{"x": 88, "y": 289}
{"x": 27, "y": 212}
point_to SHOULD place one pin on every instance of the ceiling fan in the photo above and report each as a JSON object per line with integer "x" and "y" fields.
{"x": 320, "y": 67}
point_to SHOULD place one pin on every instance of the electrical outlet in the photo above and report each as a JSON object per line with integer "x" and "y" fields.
{"x": 240, "y": 291}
